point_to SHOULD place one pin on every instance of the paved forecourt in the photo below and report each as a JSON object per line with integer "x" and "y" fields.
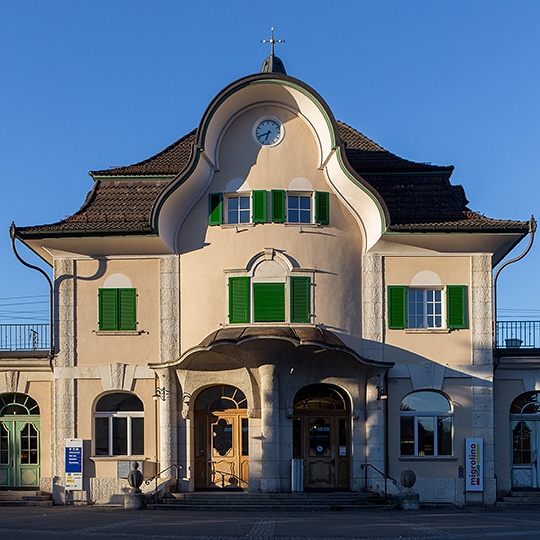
{"x": 116, "y": 524}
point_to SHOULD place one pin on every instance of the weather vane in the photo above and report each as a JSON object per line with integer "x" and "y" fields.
{"x": 272, "y": 41}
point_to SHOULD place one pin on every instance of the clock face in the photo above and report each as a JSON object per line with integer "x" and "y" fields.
{"x": 268, "y": 132}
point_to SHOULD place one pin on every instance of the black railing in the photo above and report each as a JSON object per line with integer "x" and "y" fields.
{"x": 233, "y": 480}
{"x": 24, "y": 337}
{"x": 366, "y": 466}
{"x": 154, "y": 478}
{"x": 518, "y": 335}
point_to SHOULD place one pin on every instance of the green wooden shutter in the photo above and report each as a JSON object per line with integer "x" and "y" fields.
{"x": 258, "y": 203}
{"x": 456, "y": 306}
{"x": 269, "y": 302}
{"x": 108, "y": 319}
{"x": 397, "y": 306}
{"x": 215, "y": 208}
{"x": 300, "y": 299}
{"x": 239, "y": 300}
{"x": 322, "y": 207}
{"x": 278, "y": 205}
{"x": 127, "y": 312}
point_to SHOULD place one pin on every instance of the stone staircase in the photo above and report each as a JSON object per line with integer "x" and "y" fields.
{"x": 520, "y": 499}
{"x": 261, "y": 502}
{"x": 14, "y": 497}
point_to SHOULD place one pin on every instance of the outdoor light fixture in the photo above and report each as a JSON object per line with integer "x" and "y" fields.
{"x": 161, "y": 393}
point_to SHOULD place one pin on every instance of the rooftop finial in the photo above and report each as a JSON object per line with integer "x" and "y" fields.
{"x": 272, "y": 42}
{"x": 273, "y": 64}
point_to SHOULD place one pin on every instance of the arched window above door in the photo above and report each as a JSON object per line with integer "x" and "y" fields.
{"x": 526, "y": 403}
{"x": 319, "y": 397}
{"x": 222, "y": 397}
{"x": 18, "y": 404}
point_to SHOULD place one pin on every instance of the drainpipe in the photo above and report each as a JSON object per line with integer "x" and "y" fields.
{"x": 13, "y": 236}
{"x": 532, "y": 230}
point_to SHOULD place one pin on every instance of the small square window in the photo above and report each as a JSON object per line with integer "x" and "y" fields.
{"x": 299, "y": 208}
{"x": 239, "y": 209}
{"x": 424, "y": 308}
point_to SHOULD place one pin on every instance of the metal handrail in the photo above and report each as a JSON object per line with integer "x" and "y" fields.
{"x": 365, "y": 466}
{"x": 157, "y": 475}
{"x": 224, "y": 474}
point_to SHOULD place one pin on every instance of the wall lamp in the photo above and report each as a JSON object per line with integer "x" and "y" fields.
{"x": 161, "y": 393}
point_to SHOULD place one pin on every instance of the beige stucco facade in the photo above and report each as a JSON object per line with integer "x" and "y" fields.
{"x": 183, "y": 343}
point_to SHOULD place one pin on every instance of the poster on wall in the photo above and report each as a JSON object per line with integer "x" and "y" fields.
{"x": 474, "y": 464}
{"x": 74, "y": 464}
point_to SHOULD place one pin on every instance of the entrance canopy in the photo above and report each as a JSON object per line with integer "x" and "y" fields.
{"x": 223, "y": 348}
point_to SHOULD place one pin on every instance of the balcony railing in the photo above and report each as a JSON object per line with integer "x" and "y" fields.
{"x": 24, "y": 337}
{"x": 518, "y": 335}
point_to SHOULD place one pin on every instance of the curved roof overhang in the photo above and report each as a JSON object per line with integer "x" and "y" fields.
{"x": 175, "y": 201}
{"x": 315, "y": 339}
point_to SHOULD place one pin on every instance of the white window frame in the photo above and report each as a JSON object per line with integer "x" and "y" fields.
{"x": 304, "y": 194}
{"x": 429, "y": 414}
{"x": 238, "y": 195}
{"x": 425, "y": 304}
{"x": 118, "y": 414}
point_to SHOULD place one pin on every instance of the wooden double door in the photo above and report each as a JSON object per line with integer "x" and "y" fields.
{"x": 222, "y": 449}
{"x": 322, "y": 440}
{"x": 19, "y": 452}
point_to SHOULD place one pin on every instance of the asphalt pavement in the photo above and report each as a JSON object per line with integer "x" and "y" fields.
{"x": 60, "y": 523}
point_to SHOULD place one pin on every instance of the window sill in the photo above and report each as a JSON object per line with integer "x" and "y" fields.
{"x": 119, "y": 332}
{"x": 118, "y": 458}
{"x": 427, "y": 330}
{"x": 427, "y": 458}
{"x": 269, "y": 323}
{"x": 237, "y": 225}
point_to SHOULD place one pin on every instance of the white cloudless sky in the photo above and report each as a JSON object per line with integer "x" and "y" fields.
{"x": 91, "y": 84}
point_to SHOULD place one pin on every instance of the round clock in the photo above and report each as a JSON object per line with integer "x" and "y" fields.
{"x": 269, "y": 132}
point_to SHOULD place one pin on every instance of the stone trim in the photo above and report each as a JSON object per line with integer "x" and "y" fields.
{"x": 372, "y": 307}
{"x": 169, "y": 299}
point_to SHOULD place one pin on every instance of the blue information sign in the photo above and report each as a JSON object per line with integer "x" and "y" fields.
{"x": 73, "y": 459}
{"x": 74, "y": 464}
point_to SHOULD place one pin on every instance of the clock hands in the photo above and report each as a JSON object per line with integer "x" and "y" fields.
{"x": 265, "y": 135}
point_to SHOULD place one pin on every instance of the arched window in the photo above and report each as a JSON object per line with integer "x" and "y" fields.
{"x": 219, "y": 398}
{"x": 119, "y": 425}
{"x": 319, "y": 396}
{"x": 527, "y": 403}
{"x": 17, "y": 404}
{"x": 426, "y": 424}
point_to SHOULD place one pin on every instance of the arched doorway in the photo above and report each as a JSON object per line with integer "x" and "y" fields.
{"x": 525, "y": 436}
{"x": 19, "y": 441}
{"x": 321, "y": 436}
{"x": 221, "y": 439}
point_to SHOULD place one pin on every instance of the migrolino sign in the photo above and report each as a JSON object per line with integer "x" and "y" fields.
{"x": 474, "y": 464}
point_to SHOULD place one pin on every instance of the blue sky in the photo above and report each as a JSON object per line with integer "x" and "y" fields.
{"x": 91, "y": 84}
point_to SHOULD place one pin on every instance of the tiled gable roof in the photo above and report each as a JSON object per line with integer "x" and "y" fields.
{"x": 169, "y": 161}
{"x": 366, "y": 156}
{"x": 112, "y": 207}
{"x": 418, "y": 196}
